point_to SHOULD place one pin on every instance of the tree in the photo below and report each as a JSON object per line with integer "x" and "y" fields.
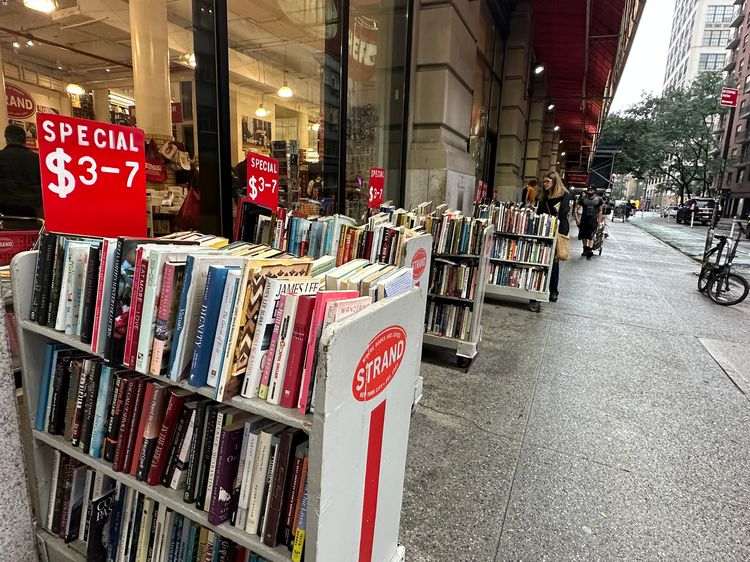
{"x": 670, "y": 136}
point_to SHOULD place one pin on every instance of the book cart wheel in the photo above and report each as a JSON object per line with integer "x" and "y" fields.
{"x": 463, "y": 362}
{"x": 534, "y": 306}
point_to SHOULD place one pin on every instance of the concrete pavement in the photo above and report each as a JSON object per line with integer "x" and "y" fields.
{"x": 689, "y": 241}
{"x": 600, "y": 429}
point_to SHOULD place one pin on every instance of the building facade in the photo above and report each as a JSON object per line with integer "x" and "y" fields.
{"x": 701, "y": 31}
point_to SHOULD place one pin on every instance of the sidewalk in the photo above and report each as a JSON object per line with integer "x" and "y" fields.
{"x": 689, "y": 241}
{"x": 600, "y": 429}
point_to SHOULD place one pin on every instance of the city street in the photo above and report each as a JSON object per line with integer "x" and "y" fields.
{"x": 689, "y": 241}
{"x": 612, "y": 426}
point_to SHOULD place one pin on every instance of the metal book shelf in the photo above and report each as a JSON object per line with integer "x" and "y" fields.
{"x": 466, "y": 350}
{"x": 534, "y": 298}
{"x": 334, "y": 506}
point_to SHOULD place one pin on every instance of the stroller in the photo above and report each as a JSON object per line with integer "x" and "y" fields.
{"x": 599, "y": 237}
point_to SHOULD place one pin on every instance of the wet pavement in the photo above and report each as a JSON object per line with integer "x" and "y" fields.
{"x": 600, "y": 429}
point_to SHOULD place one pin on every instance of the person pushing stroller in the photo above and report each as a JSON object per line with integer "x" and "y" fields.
{"x": 591, "y": 207}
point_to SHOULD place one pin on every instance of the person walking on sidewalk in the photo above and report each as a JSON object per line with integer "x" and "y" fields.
{"x": 591, "y": 215}
{"x": 554, "y": 200}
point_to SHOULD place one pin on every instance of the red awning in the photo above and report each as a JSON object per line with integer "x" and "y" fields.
{"x": 578, "y": 63}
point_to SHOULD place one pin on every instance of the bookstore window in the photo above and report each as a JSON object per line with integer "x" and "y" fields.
{"x": 133, "y": 67}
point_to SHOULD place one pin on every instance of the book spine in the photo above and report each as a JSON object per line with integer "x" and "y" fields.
{"x": 212, "y": 462}
{"x": 195, "y": 379}
{"x": 237, "y": 487}
{"x": 277, "y": 489}
{"x": 126, "y": 420}
{"x": 47, "y": 255}
{"x": 103, "y": 406}
{"x": 100, "y": 285}
{"x": 222, "y": 492}
{"x": 36, "y": 292}
{"x": 268, "y": 362}
{"x": 167, "y": 435}
{"x": 253, "y": 372}
{"x": 195, "y": 448}
{"x": 176, "y": 458}
{"x": 113, "y": 421}
{"x": 247, "y": 472}
{"x": 180, "y": 317}
{"x": 89, "y": 409}
{"x": 299, "y": 536}
{"x": 80, "y": 401}
{"x": 164, "y": 308}
{"x": 257, "y": 482}
{"x": 223, "y": 327}
{"x": 140, "y": 271}
{"x": 57, "y": 393}
{"x": 287, "y": 517}
{"x": 109, "y": 343}
{"x": 145, "y": 406}
{"x": 89, "y": 294}
{"x": 151, "y": 433}
{"x": 291, "y": 388}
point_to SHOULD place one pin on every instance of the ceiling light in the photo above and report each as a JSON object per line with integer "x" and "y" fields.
{"x": 557, "y": 128}
{"x": 16, "y": 45}
{"x": 29, "y": 43}
{"x": 538, "y": 69}
{"x": 561, "y": 141}
{"x": 107, "y": 70}
{"x": 75, "y": 89}
{"x": 563, "y": 153}
{"x": 261, "y": 111}
{"x": 285, "y": 91}
{"x": 550, "y": 107}
{"x": 315, "y": 127}
{"x": 44, "y": 6}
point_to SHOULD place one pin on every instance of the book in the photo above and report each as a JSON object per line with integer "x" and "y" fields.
{"x": 140, "y": 271}
{"x": 267, "y": 362}
{"x": 111, "y": 438}
{"x": 151, "y": 431}
{"x": 73, "y": 504}
{"x": 259, "y": 476}
{"x": 224, "y": 320}
{"x": 296, "y": 492}
{"x": 42, "y": 276}
{"x": 78, "y": 415}
{"x": 55, "y": 488}
{"x": 223, "y": 495}
{"x": 99, "y": 515}
{"x": 278, "y": 367}
{"x": 103, "y": 406}
{"x": 89, "y": 407}
{"x": 178, "y": 461}
{"x": 103, "y": 295}
{"x": 311, "y": 352}
{"x": 291, "y": 385}
{"x": 252, "y": 428}
{"x": 209, "y": 316}
{"x": 224, "y": 416}
{"x": 288, "y": 440}
{"x": 194, "y": 455}
{"x": 167, "y": 309}
{"x": 90, "y": 286}
{"x": 56, "y": 281}
{"x": 138, "y": 425}
{"x": 299, "y": 536}
{"x": 175, "y": 400}
{"x": 128, "y": 424}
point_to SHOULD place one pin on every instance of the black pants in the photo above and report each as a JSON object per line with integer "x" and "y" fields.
{"x": 554, "y": 277}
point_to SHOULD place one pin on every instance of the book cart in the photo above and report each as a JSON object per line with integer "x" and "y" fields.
{"x": 357, "y": 450}
{"x": 500, "y": 256}
{"x": 465, "y": 349}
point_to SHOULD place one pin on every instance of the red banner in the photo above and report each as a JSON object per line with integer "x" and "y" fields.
{"x": 14, "y": 241}
{"x": 729, "y": 97}
{"x": 262, "y": 180}
{"x": 93, "y": 179}
{"x": 376, "y": 187}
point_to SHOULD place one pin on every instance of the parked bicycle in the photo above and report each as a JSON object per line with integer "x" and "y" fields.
{"x": 716, "y": 278}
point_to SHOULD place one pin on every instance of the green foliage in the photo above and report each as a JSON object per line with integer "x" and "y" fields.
{"x": 670, "y": 136}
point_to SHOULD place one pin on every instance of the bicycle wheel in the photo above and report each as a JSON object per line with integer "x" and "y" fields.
{"x": 728, "y": 289}
{"x": 705, "y": 277}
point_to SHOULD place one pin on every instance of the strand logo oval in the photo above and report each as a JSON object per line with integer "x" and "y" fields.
{"x": 379, "y": 363}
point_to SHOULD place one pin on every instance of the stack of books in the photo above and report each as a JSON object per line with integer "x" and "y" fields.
{"x": 236, "y": 467}
{"x": 115, "y": 522}
{"x": 508, "y": 275}
{"x": 231, "y": 318}
{"x": 530, "y": 251}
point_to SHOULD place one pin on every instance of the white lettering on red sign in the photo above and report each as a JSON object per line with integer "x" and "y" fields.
{"x": 379, "y": 363}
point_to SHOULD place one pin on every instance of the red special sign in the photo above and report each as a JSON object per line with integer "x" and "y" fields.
{"x": 93, "y": 179}
{"x": 379, "y": 363}
{"x": 19, "y": 102}
{"x": 376, "y": 185}
{"x": 262, "y": 180}
{"x": 729, "y": 97}
{"x": 418, "y": 264}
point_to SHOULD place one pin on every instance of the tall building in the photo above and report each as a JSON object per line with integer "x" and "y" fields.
{"x": 701, "y": 30}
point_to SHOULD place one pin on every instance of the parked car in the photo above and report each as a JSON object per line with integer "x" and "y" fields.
{"x": 669, "y": 211}
{"x": 703, "y": 207}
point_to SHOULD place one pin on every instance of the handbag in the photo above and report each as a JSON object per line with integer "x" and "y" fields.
{"x": 562, "y": 251}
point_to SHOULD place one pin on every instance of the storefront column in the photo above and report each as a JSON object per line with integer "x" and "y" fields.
{"x": 546, "y": 162}
{"x": 303, "y": 134}
{"x": 514, "y": 106}
{"x": 3, "y": 101}
{"x": 235, "y": 125}
{"x": 532, "y": 169}
{"x": 439, "y": 166}
{"x": 150, "y": 48}
{"x": 101, "y": 104}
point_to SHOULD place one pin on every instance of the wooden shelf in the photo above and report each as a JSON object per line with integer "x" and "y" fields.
{"x": 287, "y": 416}
{"x": 166, "y": 496}
{"x": 520, "y": 263}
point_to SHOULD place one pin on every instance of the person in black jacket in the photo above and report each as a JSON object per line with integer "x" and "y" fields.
{"x": 20, "y": 186}
{"x": 555, "y": 200}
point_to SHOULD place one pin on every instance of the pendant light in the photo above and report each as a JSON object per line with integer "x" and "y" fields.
{"x": 261, "y": 111}
{"x": 44, "y": 6}
{"x": 75, "y": 89}
{"x": 285, "y": 91}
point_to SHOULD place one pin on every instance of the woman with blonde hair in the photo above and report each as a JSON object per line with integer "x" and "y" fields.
{"x": 555, "y": 200}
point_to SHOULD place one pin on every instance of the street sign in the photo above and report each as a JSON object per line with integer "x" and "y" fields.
{"x": 262, "y": 180}
{"x": 375, "y": 188}
{"x": 93, "y": 179}
{"x": 729, "y": 97}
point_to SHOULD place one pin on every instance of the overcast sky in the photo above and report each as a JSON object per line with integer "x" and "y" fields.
{"x": 644, "y": 70}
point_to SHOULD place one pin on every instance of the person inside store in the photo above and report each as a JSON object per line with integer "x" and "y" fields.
{"x": 530, "y": 192}
{"x": 20, "y": 185}
{"x": 591, "y": 207}
{"x": 554, "y": 200}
